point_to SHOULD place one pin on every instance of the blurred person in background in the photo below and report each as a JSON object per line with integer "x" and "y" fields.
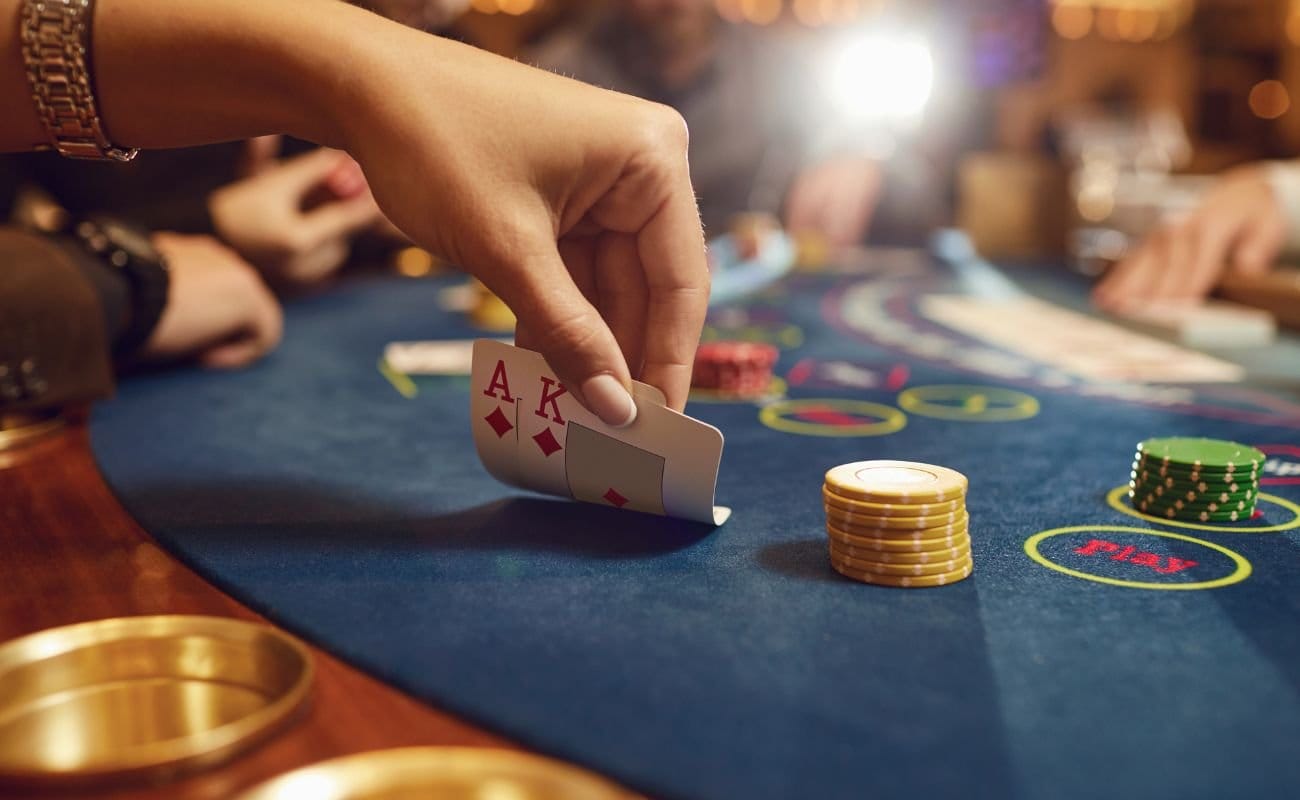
{"x": 759, "y": 141}
{"x": 234, "y": 224}
{"x": 1242, "y": 224}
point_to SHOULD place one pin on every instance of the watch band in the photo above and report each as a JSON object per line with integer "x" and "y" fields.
{"x": 56, "y": 54}
{"x": 145, "y": 273}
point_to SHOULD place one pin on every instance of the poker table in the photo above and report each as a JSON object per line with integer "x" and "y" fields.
{"x": 346, "y": 504}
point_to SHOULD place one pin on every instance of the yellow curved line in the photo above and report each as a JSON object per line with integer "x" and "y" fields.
{"x": 892, "y": 420}
{"x": 1241, "y": 573}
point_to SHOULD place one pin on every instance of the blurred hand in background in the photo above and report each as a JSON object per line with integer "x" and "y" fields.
{"x": 1239, "y": 225}
{"x": 219, "y": 311}
{"x": 295, "y": 220}
{"x": 835, "y": 199}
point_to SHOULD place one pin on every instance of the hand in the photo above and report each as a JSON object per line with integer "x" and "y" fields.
{"x": 835, "y": 198}
{"x": 1239, "y": 225}
{"x": 295, "y": 219}
{"x": 218, "y": 310}
{"x": 568, "y": 201}
{"x": 572, "y": 203}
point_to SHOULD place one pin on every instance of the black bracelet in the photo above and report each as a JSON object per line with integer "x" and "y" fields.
{"x": 128, "y": 250}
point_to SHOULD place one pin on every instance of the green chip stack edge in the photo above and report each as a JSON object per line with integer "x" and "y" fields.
{"x": 1195, "y": 480}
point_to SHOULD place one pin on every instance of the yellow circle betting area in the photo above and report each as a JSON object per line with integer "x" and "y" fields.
{"x": 968, "y": 403}
{"x": 1109, "y": 550}
{"x": 832, "y": 418}
{"x": 1116, "y": 501}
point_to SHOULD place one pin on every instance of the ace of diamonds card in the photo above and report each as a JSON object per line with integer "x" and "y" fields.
{"x": 532, "y": 433}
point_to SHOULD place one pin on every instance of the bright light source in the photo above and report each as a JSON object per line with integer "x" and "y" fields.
{"x": 881, "y": 78}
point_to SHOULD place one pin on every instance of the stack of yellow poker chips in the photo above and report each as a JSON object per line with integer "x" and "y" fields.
{"x": 898, "y": 523}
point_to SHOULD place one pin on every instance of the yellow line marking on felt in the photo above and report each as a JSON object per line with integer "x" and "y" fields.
{"x": 1115, "y": 501}
{"x": 1241, "y": 573}
{"x": 974, "y": 403}
{"x": 400, "y": 380}
{"x": 777, "y": 417}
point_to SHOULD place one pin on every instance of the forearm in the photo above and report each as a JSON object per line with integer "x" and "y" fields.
{"x": 193, "y": 71}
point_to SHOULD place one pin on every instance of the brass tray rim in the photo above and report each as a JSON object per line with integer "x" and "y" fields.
{"x": 38, "y": 428}
{"x": 359, "y": 770}
{"x": 203, "y": 749}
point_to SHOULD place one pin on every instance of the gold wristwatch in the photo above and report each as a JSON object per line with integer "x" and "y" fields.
{"x": 56, "y": 53}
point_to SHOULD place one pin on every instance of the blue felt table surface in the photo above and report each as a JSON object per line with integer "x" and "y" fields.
{"x": 733, "y": 663}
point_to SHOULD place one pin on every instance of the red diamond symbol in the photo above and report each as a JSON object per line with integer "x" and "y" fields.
{"x": 546, "y": 441}
{"x": 499, "y": 422}
{"x": 615, "y": 499}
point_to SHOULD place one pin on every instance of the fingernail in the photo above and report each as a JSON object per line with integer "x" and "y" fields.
{"x": 608, "y": 400}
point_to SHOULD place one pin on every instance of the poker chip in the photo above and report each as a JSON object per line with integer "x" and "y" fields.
{"x": 904, "y": 581}
{"x": 850, "y": 505}
{"x": 900, "y": 544}
{"x": 897, "y": 523}
{"x": 1238, "y": 485}
{"x": 925, "y": 536}
{"x": 902, "y": 557}
{"x": 1200, "y": 480}
{"x": 852, "y": 522}
{"x": 877, "y": 568}
{"x": 1169, "y": 496}
{"x": 1151, "y": 502}
{"x": 734, "y": 369}
{"x": 907, "y": 482}
{"x": 1214, "y": 454}
{"x": 1157, "y": 473}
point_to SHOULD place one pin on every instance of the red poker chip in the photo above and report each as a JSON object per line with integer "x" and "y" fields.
{"x": 741, "y": 368}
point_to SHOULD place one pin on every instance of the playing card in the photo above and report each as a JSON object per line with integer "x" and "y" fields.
{"x": 494, "y": 415}
{"x": 647, "y": 392}
{"x": 445, "y": 357}
{"x": 601, "y": 469}
{"x": 665, "y": 462}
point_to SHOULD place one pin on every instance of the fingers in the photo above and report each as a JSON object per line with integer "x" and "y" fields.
{"x": 1211, "y": 241}
{"x": 232, "y": 355}
{"x": 313, "y": 168}
{"x": 671, "y": 247}
{"x": 340, "y": 218}
{"x": 315, "y": 264}
{"x": 259, "y": 334}
{"x": 559, "y": 322}
{"x": 803, "y": 207}
{"x": 623, "y": 294}
{"x": 346, "y": 180}
{"x": 1126, "y": 280}
{"x": 1259, "y": 247}
{"x": 1172, "y": 266}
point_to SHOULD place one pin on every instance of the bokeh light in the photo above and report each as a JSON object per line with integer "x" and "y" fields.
{"x": 880, "y": 76}
{"x": 516, "y": 7}
{"x": 760, "y": 12}
{"x": 1071, "y": 20}
{"x": 1269, "y": 99}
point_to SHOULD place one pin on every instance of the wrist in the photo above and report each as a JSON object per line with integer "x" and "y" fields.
{"x": 234, "y": 68}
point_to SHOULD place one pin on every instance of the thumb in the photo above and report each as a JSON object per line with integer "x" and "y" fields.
{"x": 569, "y": 333}
{"x": 232, "y": 354}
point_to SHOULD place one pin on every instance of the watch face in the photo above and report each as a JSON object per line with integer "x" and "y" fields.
{"x": 130, "y": 239}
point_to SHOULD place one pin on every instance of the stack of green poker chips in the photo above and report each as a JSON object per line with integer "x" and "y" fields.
{"x": 1200, "y": 480}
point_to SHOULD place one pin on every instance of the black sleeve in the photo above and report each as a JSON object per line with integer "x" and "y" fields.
{"x": 54, "y": 345}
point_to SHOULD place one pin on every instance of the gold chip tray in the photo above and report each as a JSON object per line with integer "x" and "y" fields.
{"x": 445, "y": 773}
{"x": 145, "y": 697}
